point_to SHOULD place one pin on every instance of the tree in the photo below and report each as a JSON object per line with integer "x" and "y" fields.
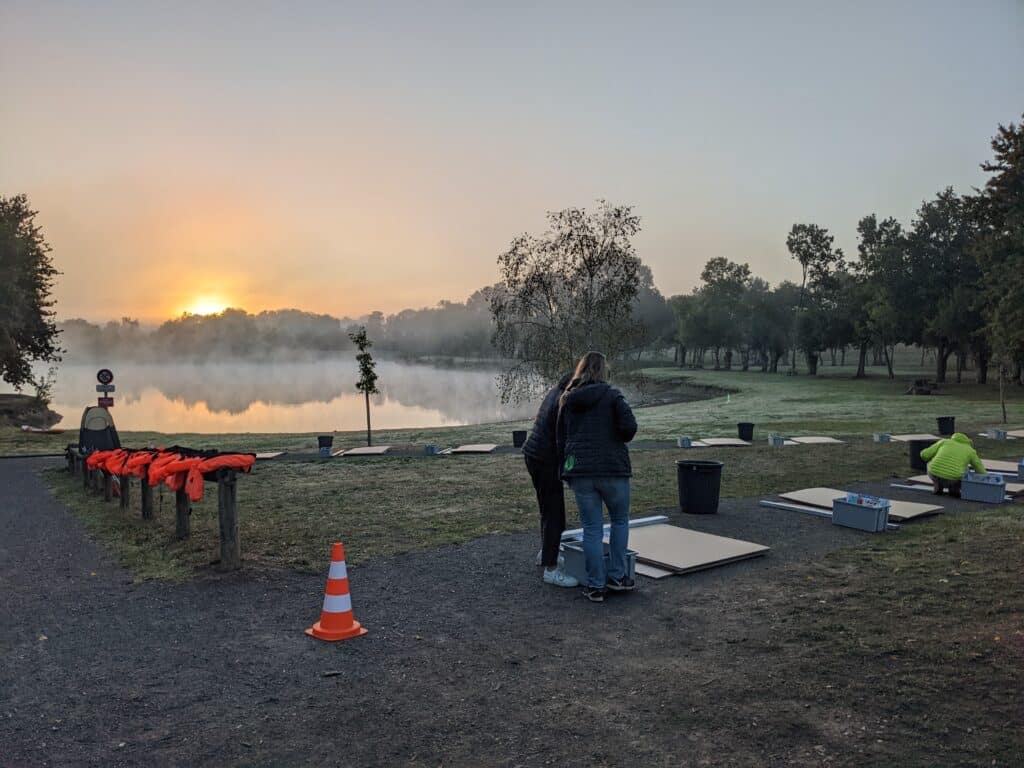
{"x": 565, "y": 292}
{"x": 367, "y": 383}
{"x": 811, "y": 246}
{"x": 28, "y": 332}
{"x": 999, "y": 248}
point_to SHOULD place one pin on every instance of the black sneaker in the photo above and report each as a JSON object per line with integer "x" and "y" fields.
{"x": 624, "y": 584}
{"x": 593, "y": 594}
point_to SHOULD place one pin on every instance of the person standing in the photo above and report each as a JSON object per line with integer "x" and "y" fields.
{"x": 544, "y": 464}
{"x": 594, "y": 424}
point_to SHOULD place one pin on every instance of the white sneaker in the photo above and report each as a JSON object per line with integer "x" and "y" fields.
{"x": 540, "y": 559}
{"x": 559, "y": 578}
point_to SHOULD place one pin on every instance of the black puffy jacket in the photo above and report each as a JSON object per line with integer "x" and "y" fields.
{"x": 594, "y": 425}
{"x": 541, "y": 445}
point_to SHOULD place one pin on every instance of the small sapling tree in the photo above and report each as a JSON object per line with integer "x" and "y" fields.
{"x": 367, "y": 383}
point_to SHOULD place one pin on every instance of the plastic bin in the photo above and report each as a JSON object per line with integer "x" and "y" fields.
{"x": 518, "y": 438}
{"x": 996, "y": 434}
{"x": 860, "y": 511}
{"x": 575, "y": 562}
{"x": 776, "y": 441}
{"x": 684, "y": 441}
{"x": 946, "y": 425}
{"x": 430, "y": 450}
{"x": 915, "y": 447}
{"x": 882, "y": 437}
{"x": 990, "y": 489}
{"x": 745, "y": 430}
{"x": 324, "y": 443}
{"x": 699, "y": 485}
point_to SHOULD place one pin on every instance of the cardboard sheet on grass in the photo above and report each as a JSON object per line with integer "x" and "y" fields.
{"x": 1016, "y": 433}
{"x": 823, "y": 497}
{"x": 367, "y": 450}
{"x": 680, "y": 550}
{"x": 816, "y": 440}
{"x": 1004, "y": 467}
{"x": 476, "y": 448}
{"x": 725, "y": 442}
{"x": 266, "y": 455}
{"x": 1012, "y": 488}
{"x": 908, "y": 438}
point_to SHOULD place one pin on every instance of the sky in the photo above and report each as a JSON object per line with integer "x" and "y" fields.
{"x": 350, "y": 157}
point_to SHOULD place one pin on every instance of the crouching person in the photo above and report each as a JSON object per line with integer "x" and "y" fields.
{"x": 594, "y": 424}
{"x": 948, "y": 461}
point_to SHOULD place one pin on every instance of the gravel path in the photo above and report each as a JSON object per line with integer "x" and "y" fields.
{"x": 470, "y": 660}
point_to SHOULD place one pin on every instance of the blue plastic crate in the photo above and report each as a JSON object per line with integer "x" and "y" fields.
{"x": 989, "y": 489}
{"x": 860, "y": 511}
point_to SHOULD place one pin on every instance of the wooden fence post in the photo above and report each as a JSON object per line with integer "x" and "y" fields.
{"x": 227, "y": 512}
{"x": 108, "y": 485}
{"x": 183, "y": 515}
{"x": 125, "y": 484}
{"x": 86, "y": 474}
{"x": 146, "y": 491}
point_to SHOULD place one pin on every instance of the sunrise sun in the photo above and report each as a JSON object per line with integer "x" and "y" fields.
{"x": 206, "y": 305}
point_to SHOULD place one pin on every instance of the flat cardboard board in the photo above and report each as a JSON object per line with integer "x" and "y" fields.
{"x": 725, "y": 442}
{"x": 269, "y": 455}
{"x": 368, "y": 450}
{"x": 1011, "y": 488}
{"x": 684, "y": 551}
{"x": 908, "y": 438}
{"x": 476, "y": 448}
{"x": 1009, "y": 436}
{"x": 1006, "y": 467}
{"x": 816, "y": 440}
{"x": 1016, "y": 432}
{"x": 697, "y": 444}
{"x": 823, "y": 498}
{"x": 651, "y": 572}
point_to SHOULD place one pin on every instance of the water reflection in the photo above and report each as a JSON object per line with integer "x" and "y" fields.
{"x": 284, "y": 397}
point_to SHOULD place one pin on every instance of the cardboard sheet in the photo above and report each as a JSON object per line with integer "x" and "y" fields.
{"x": 725, "y": 442}
{"x": 367, "y": 450}
{"x": 993, "y": 465}
{"x": 475, "y": 448}
{"x": 1016, "y": 432}
{"x": 684, "y": 551}
{"x": 816, "y": 440}
{"x": 1011, "y": 487}
{"x": 908, "y": 438}
{"x": 651, "y": 572}
{"x": 269, "y": 455}
{"x": 697, "y": 444}
{"x": 823, "y": 498}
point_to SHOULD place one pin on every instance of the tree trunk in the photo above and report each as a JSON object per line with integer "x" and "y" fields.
{"x": 842, "y": 360}
{"x": 876, "y": 356}
{"x": 715, "y": 354}
{"x": 1002, "y": 393}
{"x": 728, "y": 359}
{"x": 982, "y": 369}
{"x": 368, "y": 439}
{"x": 812, "y": 364}
{"x": 862, "y": 356}
{"x": 942, "y": 353}
{"x": 888, "y": 360}
{"x": 745, "y": 360}
{"x": 832, "y": 352}
{"x": 959, "y": 366}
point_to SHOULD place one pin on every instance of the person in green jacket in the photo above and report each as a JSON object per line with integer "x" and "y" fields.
{"x": 948, "y": 460}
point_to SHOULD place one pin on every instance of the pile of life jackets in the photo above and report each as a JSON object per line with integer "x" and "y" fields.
{"x": 176, "y": 467}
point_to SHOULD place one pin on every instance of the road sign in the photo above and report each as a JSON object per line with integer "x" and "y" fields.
{"x": 104, "y": 376}
{"x": 105, "y": 402}
{"x": 105, "y": 388}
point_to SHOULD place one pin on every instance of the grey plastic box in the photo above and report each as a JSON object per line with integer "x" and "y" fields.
{"x": 576, "y": 563}
{"x": 872, "y": 514}
{"x": 990, "y": 489}
{"x": 882, "y": 437}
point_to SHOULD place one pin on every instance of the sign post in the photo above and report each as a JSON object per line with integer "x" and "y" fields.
{"x": 105, "y": 377}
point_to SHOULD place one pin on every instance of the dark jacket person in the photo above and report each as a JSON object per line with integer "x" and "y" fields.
{"x": 594, "y": 425}
{"x": 543, "y": 462}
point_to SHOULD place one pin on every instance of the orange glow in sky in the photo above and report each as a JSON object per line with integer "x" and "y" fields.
{"x": 206, "y": 305}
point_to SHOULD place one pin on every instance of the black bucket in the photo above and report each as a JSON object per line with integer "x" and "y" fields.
{"x": 915, "y": 447}
{"x": 699, "y": 485}
{"x": 518, "y": 438}
{"x": 324, "y": 443}
{"x": 947, "y": 425}
{"x": 745, "y": 430}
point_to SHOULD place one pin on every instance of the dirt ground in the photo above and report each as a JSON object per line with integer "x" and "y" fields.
{"x": 471, "y": 661}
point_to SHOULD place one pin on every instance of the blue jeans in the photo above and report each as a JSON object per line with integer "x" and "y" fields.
{"x": 614, "y": 493}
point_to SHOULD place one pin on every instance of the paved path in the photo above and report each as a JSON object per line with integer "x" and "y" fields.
{"x": 468, "y": 655}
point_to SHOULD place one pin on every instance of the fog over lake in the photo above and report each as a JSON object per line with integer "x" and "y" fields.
{"x": 309, "y": 396}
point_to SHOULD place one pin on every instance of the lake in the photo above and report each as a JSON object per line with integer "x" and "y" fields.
{"x": 284, "y": 397}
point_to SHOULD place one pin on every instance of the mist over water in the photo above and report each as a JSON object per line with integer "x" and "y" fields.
{"x": 311, "y": 396}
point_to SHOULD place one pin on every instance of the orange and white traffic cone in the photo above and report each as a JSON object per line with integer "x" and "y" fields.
{"x": 336, "y": 619}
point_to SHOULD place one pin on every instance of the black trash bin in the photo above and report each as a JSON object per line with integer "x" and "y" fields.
{"x": 947, "y": 425}
{"x": 518, "y": 437}
{"x": 324, "y": 443}
{"x": 699, "y": 485}
{"x": 915, "y": 447}
{"x": 745, "y": 430}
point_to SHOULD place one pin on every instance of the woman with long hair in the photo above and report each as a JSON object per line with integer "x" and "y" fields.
{"x": 594, "y": 424}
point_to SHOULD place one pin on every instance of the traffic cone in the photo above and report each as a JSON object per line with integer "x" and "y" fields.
{"x": 336, "y": 619}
